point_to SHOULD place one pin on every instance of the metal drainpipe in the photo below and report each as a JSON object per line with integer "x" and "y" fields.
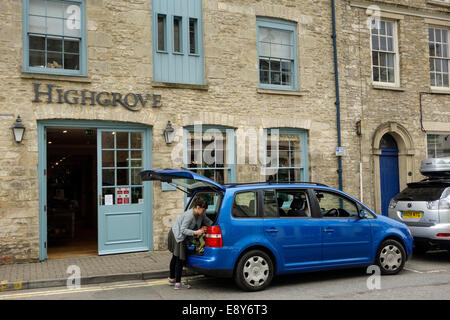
{"x": 336, "y": 83}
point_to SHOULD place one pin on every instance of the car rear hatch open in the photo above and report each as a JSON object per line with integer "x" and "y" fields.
{"x": 181, "y": 178}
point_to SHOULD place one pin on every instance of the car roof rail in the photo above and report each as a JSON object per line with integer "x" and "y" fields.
{"x": 276, "y": 182}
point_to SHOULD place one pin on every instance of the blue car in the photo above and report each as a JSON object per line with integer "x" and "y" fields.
{"x": 265, "y": 229}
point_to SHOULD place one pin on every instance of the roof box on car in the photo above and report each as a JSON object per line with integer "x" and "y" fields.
{"x": 435, "y": 167}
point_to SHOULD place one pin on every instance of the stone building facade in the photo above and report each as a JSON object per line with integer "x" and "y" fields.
{"x": 141, "y": 64}
{"x": 413, "y": 109}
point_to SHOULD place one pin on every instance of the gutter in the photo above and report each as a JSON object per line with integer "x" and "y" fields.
{"x": 336, "y": 83}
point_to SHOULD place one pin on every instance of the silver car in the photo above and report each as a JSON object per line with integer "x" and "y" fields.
{"x": 425, "y": 208}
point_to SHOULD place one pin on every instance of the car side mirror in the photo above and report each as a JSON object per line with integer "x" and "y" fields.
{"x": 362, "y": 214}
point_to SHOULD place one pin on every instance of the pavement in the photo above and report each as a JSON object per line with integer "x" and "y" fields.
{"x": 92, "y": 270}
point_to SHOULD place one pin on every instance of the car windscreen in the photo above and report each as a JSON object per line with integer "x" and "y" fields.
{"x": 420, "y": 193}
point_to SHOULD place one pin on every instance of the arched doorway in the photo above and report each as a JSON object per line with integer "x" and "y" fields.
{"x": 389, "y": 177}
{"x": 394, "y": 136}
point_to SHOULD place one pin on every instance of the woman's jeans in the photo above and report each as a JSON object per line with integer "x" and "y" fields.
{"x": 176, "y": 268}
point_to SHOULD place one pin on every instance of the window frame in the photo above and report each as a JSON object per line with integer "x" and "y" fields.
{"x": 396, "y": 52}
{"x": 257, "y": 204}
{"x": 54, "y": 71}
{"x": 440, "y": 133}
{"x": 337, "y": 194}
{"x": 283, "y": 25}
{"x": 304, "y": 168}
{"x": 164, "y": 35}
{"x": 230, "y": 147}
{"x": 446, "y": 28}
{"x": 298, "y": 190}
{"x": 178, "y": 67}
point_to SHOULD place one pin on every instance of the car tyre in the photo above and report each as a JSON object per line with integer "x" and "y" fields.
{"x": 391, "y": 257}
{"x": 254, "y": 271}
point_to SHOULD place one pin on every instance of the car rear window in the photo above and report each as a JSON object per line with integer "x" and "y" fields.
{"x": 420, "y": 193}
{"x": 214, "y": 201}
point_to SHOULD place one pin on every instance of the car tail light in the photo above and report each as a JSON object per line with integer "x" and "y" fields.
{"x": 442, "y": 235}
{"x": 442, "y": 204}
{"x": 393, "y": 204}
{"x": 213, "y": 237}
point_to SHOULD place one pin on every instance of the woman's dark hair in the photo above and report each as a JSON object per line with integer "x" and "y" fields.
{"x": 199, "y": 201}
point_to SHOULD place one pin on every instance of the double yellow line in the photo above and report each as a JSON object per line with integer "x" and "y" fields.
{"x": 24, "y": 295}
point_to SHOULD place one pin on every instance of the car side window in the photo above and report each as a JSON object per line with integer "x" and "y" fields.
{"x": 270, "y": 207}
{"x": 334, "y": 205}
{"x": 293, "y": 203}
{"x": 245, "y": 205}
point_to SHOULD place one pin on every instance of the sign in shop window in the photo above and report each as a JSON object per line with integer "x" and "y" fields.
{"x": 122, "y": 160}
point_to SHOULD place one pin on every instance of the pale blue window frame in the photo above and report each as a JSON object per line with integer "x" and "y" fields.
{"x": 229, "y": 166}
{"x": 184, "y": 66}
{"x": 230, "y": 163}
{"x": 303, "y": 167}
{"x": 82, "y": 51}
{"x": 284, "y": 26}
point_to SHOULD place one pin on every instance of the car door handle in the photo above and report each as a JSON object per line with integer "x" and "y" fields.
{"x": 272, "y": 230}
{"x": 328, "y": 230}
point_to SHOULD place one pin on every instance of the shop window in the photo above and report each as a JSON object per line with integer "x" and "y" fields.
{"x": 286, "y": 155}
{"x": 178, "y": 49}
{"x": 54, "y": 37}
{"x": 209, "y": 151}
{"x": 277, "y": 54}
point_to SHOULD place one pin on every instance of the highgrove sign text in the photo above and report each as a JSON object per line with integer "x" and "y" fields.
{"x": 131, "y": 101}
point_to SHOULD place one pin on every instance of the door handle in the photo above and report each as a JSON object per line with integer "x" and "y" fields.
{"x": 272, "y": 230}
{"x": 328, "y": 230}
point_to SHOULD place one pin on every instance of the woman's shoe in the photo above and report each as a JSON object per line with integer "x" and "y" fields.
{"x": 182, "y": 286}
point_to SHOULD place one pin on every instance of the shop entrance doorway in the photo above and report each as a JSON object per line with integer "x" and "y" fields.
{"x": 91, "y": 198}
{"x": 72, "y": 217}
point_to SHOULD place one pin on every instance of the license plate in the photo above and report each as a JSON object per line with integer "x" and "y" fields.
{"x": 412, "y": 214}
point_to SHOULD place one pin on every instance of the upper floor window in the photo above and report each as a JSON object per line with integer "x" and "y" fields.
{"x": 439, "y": 57}
{"x": 277, "y": 54}
{"x": 54, "y": 37}
{"x": 385, "y": 53}
{"x": 177, "y": 41}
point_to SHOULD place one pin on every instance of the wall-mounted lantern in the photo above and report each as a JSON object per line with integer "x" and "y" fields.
{"x": 169, "y": 133}
{"x": 18, "y": 130}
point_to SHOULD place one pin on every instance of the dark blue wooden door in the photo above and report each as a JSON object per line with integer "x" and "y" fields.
{"x": 388, "y": 177}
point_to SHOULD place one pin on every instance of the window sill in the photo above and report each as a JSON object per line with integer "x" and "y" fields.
{"x": 37, "y": 76}
{"x": 440, "y": 90}
{"x": 439, "y": 3}
{"x": 171, "y": 85}
{"x": 382, "y": 87}
{"x": 281, "y": 92}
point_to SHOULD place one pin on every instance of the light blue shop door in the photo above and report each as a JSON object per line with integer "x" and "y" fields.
{"x": 123, "y": 207}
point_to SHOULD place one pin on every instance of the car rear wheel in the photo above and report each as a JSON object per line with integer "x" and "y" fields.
{"x": 391, "y": 257}
{"x": 254, "y": 271}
